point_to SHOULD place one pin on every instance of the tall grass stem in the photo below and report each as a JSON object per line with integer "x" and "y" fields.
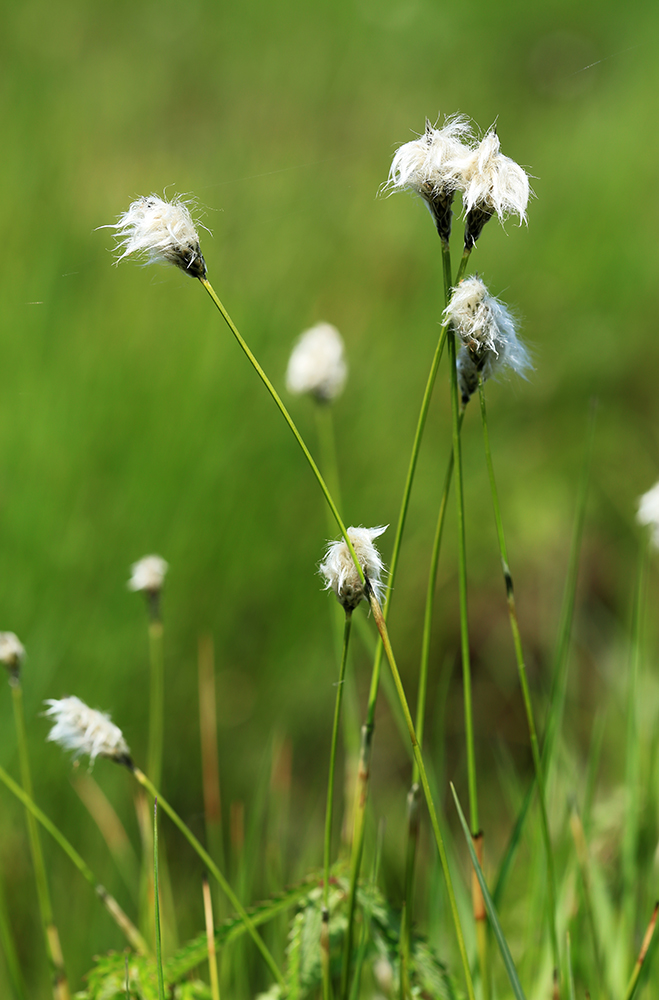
{"x": 156, "y": 904}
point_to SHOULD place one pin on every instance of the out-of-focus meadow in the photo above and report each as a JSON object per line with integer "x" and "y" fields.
{"x": 131, "y": 423}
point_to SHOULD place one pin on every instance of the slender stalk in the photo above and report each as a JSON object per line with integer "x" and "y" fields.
{"x": 142, "y": 779}
{"x": 210, "y": 761}
{"x": 327, "y": 445}
{"x": 157, "y": 692}
{"x": 133, "y": 936}
{"x": 523, "y": 679}
{"x": 434, "y": 822}
{"x": 156, "y": 903}
{"x": 15, "y": 975}
{"x": 210, "y": 937}
{"x": 642, "y": 955}
{"x": 287, "y": 417}
{"x": 330, "y": 805}
{"x": 51, "y": 935}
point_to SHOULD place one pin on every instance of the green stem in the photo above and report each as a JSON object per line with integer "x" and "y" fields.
{"x": 523, "y": 679}
{"x": 434, "y": 822}
{"x": 133, "y": 936}
{"x": 51, "y": 935}
{"x": 14, "y": 973}
{"x": 327, "y": 444}
{"x": 330, "y": 800}
{"x": 142, "y": 779}
{"x": 156, "y": 705}
{"x": 287, "y": 417}
{"x": 156, "y": 903}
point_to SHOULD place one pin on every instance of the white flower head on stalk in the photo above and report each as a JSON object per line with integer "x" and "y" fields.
{"x": 148, "y": 574}
{"x": 427, "y": 166}
{"x": 84, "y": 730}
{"x": 162, "y": 231}
{"x": 339, "y": 570}
{"x": 492, "y": 184}
{"x": 648, "y": 512}
{"x": 12, "y": 653}
{"x": 487, "y": 335}
{"x": 317, "y": 364}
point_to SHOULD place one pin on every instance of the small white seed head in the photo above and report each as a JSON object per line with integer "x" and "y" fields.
{"x": 492, "y": 184}
{"x": 339, "y": 570}
{"x": 12, "y": 652}
{"x": 648, "y": 512}
{"x": 148, "y": 574}
{"x": 487, "y": 335}
{"x": 160, "y": 231}
{"x": 84, "y": 730}
{"x": 317, "y": 364}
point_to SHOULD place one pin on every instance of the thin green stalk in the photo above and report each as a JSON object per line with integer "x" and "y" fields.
{"x": 16, "y": 981}
{"x": 142, "y": 779}
{"x": 642, "y": 955}
{"x": 51, "y": 935}
{"x": 133, "y": 936}
{"x": 434, "y": 822}
{"x": 329, "y": 811}
{"x": 287, "y": 417}
{"x": 210, "y": 938}
{"x": 408, "y": 888}
{"x": 523, "y": 679}
{"x": 632, "y": 754}
{"x": 156, "y": 697}
{"x": 156, "y": 903}
{"x": 327, "y": 445}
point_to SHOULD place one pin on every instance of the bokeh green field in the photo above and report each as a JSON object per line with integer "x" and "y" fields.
{"x": 130, "y": 422}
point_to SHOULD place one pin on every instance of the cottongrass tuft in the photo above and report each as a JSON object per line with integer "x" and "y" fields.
{"x": 487, "y": 334}
{"x": 317, "y": 364}
{"x": 85, "y": 730}
{"x": 492, "y": 184}
{"x": 148, "y": 574}
{"x": 427, "y": 165}
{"x": 648, "y": 512}
{"x": 340, "y": 573}
{"x": 163, "y": 231}
{"x": 12, "y": 654}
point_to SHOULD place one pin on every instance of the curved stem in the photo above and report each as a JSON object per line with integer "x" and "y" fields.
{"x": 142, "y": 779}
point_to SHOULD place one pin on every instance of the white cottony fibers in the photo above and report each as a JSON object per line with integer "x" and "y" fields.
{"x": 487, "y": 334}
{"x": 12, "y": 651}
{"x": 85, "y": 730}
{"x": 648, "y": 512}
{"x": 317, "y": 365}
{"x": 492, "y": 182}
{"x": 148, "y": 574}
{"x": 339, "y": 570}
{"x": 163, "y": 231}
{"x": 427, "y": 164}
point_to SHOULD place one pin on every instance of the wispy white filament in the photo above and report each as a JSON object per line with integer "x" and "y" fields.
{"x": 648, "y": 512}
{"x": 427, "y": 164}
{"x": 161, "y": 231}
{"x": 493, "y": 182}
{"x": 148, "y": 574}
{"x": 487, "y": 335}
{"x": 317, "y": 364}
{"x": 84, "y": 730}
{"x": 339, "y": 570}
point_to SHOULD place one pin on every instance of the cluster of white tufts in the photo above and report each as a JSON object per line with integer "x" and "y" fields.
{"x": 85, "y": 730}
{"x": 445, "y": 160}
{"x": 487, "y": 335}
{"x": 648, "y": 512}
{"x": 148, "y": 574}
{"x": 317, "y": 364}
{"x": 12, "y": 651}
{"x": 340, "y": 573}
{"x": 162, "y": 231}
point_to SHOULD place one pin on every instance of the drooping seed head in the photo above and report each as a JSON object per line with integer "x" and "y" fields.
{"x": 160, "y": 231}
{"x": 648, "y": 512}
{"x": 148, "y": 574}
{"x": 85, "y": 730}
{"x": 487, "y": 336}
{"x": 317, "y": 364}
{"x": 340, "y": 573}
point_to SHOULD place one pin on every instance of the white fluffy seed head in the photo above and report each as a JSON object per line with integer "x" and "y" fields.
{"x": 339, "y": 570}
{"x": 84, "y": 730}
{"x": 148, "y": 574}
{"x": 492, "y": 182}
{"x": 648, "y": 512}
{"x": 487, "y": 335}
{"x": 317, "y": 364}
{"x": 426, "y": 165}
{"x": 160, "y": 231}
{"x": 12, "y": 652}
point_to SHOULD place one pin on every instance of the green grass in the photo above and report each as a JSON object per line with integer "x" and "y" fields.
{"x": 130, "y": 423}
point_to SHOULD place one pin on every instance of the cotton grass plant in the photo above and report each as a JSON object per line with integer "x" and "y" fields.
{"x": 335, "y": 933}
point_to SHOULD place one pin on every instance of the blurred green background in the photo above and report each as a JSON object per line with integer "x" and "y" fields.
{"x": 131, "y": 423}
